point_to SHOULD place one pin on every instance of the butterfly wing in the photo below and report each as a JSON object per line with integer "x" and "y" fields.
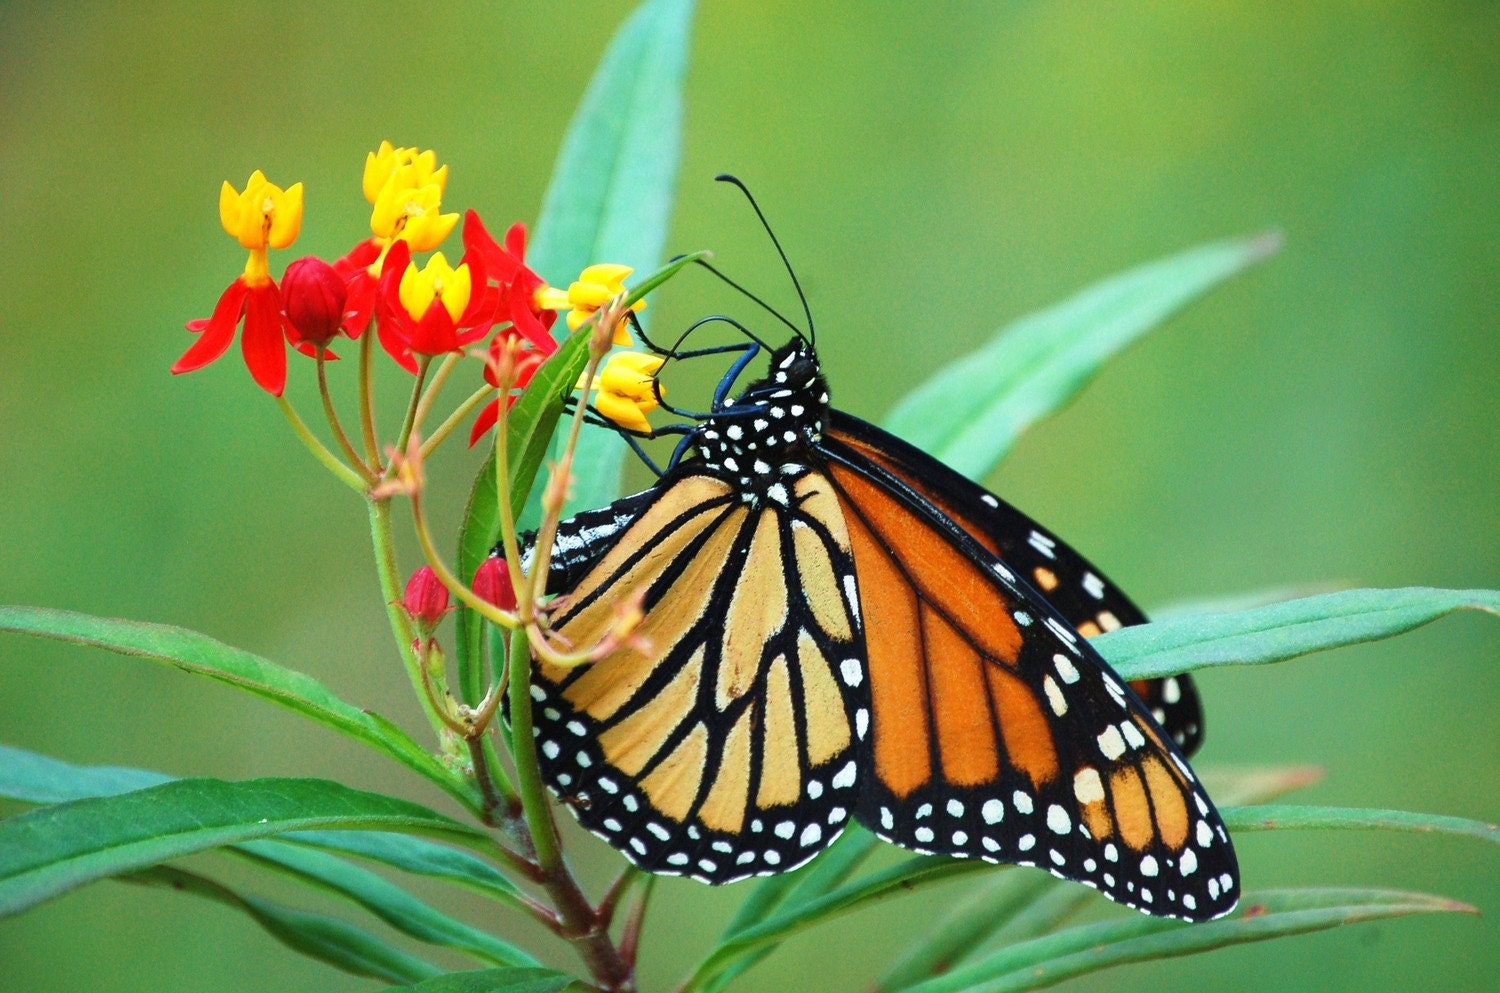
{"x": 997, "y": 732}
{"x": 725, "y": 746}
{"x": 1075, "y": 588}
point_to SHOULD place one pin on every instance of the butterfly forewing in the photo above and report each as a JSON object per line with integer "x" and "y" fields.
{"x": 1076, "y": 589}
{"x": 996, "y": 731}
{"x": 721, "y": 742}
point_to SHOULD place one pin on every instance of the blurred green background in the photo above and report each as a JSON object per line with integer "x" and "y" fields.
{"x": 1332, "y": 416}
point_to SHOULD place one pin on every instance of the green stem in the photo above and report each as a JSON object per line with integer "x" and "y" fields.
{"x": 441, "y": 432}
{"x": 367, "y": 397}
{"x": 581, "y": 925}
{"x": 381, "y": 539}
{"x": 319, "y": 450}
{"x": 445, "y": 369}
{"x": 411, "y": 407}
{"x": 336, "y": 425}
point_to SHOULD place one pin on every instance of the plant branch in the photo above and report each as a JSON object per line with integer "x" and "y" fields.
{"x": 320, "y": 451}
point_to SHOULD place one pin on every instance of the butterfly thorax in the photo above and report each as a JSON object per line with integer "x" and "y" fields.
{"x": 770, "y": 430}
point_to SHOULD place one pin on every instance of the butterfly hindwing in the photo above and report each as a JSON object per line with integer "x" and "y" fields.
{"x": 1076, "y": 589}
{"x": 721, "y": 742}
{"x": 998, "y": 733}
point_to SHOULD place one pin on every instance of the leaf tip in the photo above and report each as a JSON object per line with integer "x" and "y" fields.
{"x": 1265, "y": 244}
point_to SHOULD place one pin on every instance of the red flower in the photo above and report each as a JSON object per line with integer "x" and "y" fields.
{"x": 359, "y": 301}
{"x": 527, "y": 362}
{"x": 518, "y": 283}
{"x": 263, "y": 341}
{"x": 261, "y": 217}
{"x": 313, "y": 294}
{"x": 432, "y": 310}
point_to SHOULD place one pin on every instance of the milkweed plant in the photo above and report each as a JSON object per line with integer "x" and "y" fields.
{"x": 464, "y": 624}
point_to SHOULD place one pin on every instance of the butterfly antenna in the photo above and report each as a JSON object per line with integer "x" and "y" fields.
{"x": 812, "y": 332}
{"x": 751, "y": 296}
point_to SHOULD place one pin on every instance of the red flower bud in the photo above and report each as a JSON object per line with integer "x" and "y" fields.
{"x": 492, "y": 583}
{"x": 426, "y": 600}
{"x": 313, "y": 294}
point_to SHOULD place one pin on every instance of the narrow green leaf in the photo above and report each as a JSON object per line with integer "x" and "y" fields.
{"x": 901, "y": 878}
{"x": 494, "y": 981}
{"x": 327, "y": 939}
{"x": 1269, "y": 817}
{"x": 384, "y": 899}
{"x": 978, "y": 916}
{"x": 417, "y": 856}
{"x": 200, "y": 654}
{"x": 1048, "y": 960}
{"x": 51, "y": 850}
{"x": 795, "y": 889}
{"x": 33, "y": 778}
{"x": 812, "y": 880}
{"x": 971, "y": 413}
{"x": 610, "y": 199}
{"x": 1281, "y": 631}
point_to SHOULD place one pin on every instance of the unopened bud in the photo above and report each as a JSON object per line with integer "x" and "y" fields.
{"x": 492, "y": 583}
{"x": 426, "y": 600}
{"x": 314, "y": 295}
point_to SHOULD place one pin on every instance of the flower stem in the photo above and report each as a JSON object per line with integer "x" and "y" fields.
{"x": 336, "y": 425}
{"x": 441, "y": 432}
{"x": 367, "y": 397}
{"x": 411, "y": 408}
{"x": 319, "y": 450}
{"x": 381, "y": 539}
{"x": 445, "y": 368}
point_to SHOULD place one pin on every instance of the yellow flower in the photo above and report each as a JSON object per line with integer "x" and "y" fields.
{"x": 628, "y": 389}
{"x": 414, "y": 168}
{"x": 439, "y": 280}
{"x": 264, "y": 215}
{"x": 406, "y": 188}
{"x": 594, "y": 287}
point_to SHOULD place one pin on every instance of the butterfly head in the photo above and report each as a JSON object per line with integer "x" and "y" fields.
{"x": 772, "y": 425}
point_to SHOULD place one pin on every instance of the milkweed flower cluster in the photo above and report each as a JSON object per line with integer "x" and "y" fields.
{"x": 421, "y": 309}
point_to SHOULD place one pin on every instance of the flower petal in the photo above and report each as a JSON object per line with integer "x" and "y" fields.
{"x": 218, "y": 333}
{"x": 263, "y": 340}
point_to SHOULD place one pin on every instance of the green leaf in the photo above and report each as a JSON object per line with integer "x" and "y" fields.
{"x": 1268, "y": 914}
{"x": 385, "y": 900}
{"x": 1274, "y": 816}
{"x": 417, "y": 856}
{"x": 1280, "y": 631}
{"x": 795, "y": 889}
{"x": 978, "y": 916}
{"x": 33, "y": 778}
{"x": 327, "y": 939}
{"x": 493, "y": 981}
{"x": 610, "y": 199}
{"x": 971, "y": 413}
{"x": 901, "y": 878}
{"x": 37, "y": 779}
{"x": 200, "y": 654}
{"x": 51, "y": 850}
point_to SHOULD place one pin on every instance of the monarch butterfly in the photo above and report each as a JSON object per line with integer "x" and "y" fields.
{"x": 842, "y": 628}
